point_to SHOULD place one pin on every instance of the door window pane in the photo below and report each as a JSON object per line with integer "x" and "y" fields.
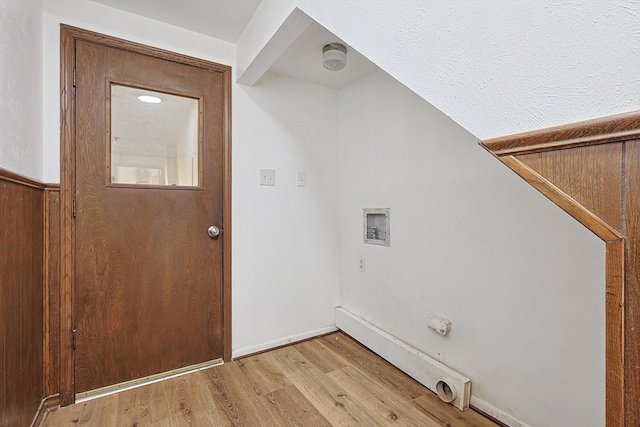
{"x": 154, "y": 138}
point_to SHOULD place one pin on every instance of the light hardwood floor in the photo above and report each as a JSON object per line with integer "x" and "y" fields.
{"x": 327, "y": 381}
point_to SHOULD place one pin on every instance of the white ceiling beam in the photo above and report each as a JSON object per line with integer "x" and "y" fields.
{"x": 251, "y": 67}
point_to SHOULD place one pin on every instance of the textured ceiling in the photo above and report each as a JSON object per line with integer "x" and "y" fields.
{"x": 226, "y": 19}
{"x": 495, "y": 67}
{"x": 222, "y": 19}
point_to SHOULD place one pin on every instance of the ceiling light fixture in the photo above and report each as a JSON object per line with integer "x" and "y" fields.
{"x": 150, "y": 99}
{"x": 334, "y": 56}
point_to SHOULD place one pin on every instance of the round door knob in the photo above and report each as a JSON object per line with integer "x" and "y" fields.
{"x": 213, "y": 231}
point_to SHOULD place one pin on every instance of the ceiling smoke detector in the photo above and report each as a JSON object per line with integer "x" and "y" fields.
{"x": 334, "y": 56}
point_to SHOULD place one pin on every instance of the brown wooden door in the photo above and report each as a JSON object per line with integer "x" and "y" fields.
{"x": 148, "y": 277}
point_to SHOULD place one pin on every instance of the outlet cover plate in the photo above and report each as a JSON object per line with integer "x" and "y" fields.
{"x": 301, "y": 179}
{"x": 267, "y": 177}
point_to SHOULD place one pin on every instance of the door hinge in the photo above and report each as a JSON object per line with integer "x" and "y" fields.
{"x": 74, "y": 208}
{"x": 74, "y": 77}
{"x": 73, "y": 339}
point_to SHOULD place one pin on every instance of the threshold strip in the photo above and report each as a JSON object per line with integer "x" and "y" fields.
{"x": 128, "y": 385}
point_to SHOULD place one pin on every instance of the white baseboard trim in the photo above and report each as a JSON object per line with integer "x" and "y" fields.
{"x": 496, "y": 413}
{"x": 413, "y": 362}
{"x": 281, "y": 341}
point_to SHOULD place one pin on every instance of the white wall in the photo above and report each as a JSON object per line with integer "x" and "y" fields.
{"x": 286, "y": 239}
{"x": 285, "y": 245}
{"x": 496, "y": 67}
{"x": 21, "y": 87}
{"x": 521, "y": 281}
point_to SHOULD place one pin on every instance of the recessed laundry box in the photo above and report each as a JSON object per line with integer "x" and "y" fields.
{"x": 377, "y": 226}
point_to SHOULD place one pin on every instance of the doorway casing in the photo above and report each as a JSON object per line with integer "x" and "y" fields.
{"x": 69, "y": 36}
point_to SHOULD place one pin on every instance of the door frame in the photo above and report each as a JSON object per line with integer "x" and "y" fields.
{"x": 68, "y": 37}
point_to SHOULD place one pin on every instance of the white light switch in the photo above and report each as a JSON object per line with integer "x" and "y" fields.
{"x": 302, "y": 179}
{"x": 267, "y": 177}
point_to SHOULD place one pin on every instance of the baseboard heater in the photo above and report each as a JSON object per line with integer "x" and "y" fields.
{"x": 448, "y": 384}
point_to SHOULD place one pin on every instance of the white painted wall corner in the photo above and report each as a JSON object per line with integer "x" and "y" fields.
{"x": 241, "y": 352}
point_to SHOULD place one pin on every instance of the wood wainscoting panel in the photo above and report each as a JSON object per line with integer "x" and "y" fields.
{"x": 614, "y": 305}
{"x": 632, "y": 285}
{"x": 568, "y": 204}
{"x": 591, "y": 175}
{"x": 51, "y": 290}
{"x": 21, "y": 299}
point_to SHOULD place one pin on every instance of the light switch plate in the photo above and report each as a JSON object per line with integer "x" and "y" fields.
{"x": 267, "y": 177}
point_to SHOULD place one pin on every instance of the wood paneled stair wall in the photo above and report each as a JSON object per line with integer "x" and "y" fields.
{"x": 591, "y": 170}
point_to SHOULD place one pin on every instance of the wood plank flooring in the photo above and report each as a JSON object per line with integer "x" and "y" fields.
{"x": 328, "y": 381}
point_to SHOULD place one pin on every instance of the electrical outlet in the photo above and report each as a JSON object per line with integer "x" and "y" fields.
{"x": 361, "y": 264}
{"x": 302, "y": 179}
{"x": 267, "y": 177}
